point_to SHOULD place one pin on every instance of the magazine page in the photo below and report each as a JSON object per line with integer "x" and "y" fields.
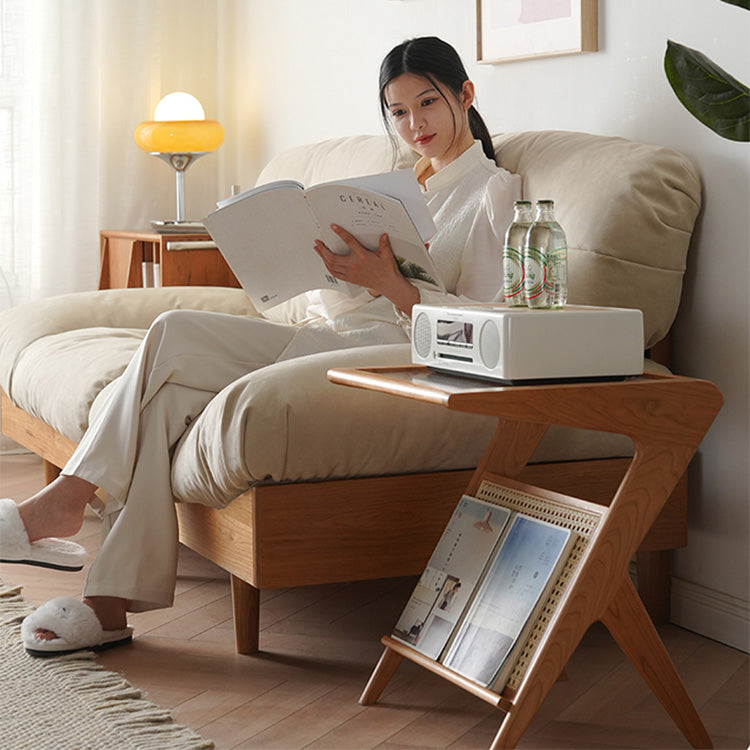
{"x": 443, "y": 590}
{"x": 367, "y": 216}
{"x": 522, "y": 572}
{"x": 402, "y": 185}
{"x": 268, "y": 238}
{"x": 501, "y": 676}
{"x": 259, "y": 189}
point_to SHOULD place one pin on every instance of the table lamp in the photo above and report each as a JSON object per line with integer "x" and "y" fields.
{"x": 179, "y": 134}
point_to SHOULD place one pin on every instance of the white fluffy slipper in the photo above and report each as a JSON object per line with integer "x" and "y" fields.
{"x": 15, "y": 546}
{"x": 76, "y": 626}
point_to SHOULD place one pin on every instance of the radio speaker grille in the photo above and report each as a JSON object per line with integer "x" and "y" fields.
{"x": 422, "y": 335}
{"x": 489, "y": 345}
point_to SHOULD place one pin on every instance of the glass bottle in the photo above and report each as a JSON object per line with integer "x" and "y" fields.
{"x": 545, "y": 258}
{"x": 513, "y": 277}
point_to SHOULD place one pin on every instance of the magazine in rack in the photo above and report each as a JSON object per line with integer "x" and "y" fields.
{"x": 445, "y": 586}
{"x": 495, "y": 625}
{"x": 483, "y": 589}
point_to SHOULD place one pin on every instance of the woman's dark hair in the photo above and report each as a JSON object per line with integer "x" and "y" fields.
{"x": 435, "y": 60}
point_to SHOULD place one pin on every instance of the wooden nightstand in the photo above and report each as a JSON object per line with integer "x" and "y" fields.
{"x": 183, "y": 259}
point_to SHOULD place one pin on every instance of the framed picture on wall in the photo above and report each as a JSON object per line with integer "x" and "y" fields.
{"x": 520, "y": 29}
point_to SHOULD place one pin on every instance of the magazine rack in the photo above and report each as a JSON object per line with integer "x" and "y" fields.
{"x": 666, "y": 417}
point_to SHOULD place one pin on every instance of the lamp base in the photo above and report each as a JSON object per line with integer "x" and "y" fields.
{"x": 179, "y": 227}
{"x": 180, "y": 163}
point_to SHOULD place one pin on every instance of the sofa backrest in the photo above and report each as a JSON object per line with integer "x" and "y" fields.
{"x": 628, "y": 209}
{"x": 335, "y": 159}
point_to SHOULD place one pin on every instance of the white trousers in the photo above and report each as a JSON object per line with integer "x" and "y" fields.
{"x": 185, "y": 359}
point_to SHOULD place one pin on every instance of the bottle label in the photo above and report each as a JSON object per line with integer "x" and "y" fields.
{"x": 512, "y": 273}
{"x": 536, "y": 272}
{"x": 556, "y": 270}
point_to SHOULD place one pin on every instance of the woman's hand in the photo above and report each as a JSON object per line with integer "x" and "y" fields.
{"x": 376, "y": 270}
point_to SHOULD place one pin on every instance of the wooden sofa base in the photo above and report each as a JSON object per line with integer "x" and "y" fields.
{"x": 305, "y": 533}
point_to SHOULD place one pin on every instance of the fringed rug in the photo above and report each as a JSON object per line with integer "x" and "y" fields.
{"x": 71, "y": 703}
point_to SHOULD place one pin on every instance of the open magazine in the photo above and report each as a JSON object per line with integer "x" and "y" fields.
{"x": 267, "y": 234}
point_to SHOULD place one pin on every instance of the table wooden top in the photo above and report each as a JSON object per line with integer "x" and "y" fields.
{"x": 151, "y": 235}
{"x": 624, "y": 406}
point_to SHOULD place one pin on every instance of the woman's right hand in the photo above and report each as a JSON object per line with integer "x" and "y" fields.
{"x": 375, "y": 270}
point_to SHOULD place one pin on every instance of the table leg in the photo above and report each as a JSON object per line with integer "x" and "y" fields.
{"x": 544, "y": 672}
{"x": 509, "y": 451}
{"x": 654, "y": 574}
{"x": 382, "y": 673}
{"x": 51, "y": 472}
{"x": 628, "y": 622}
{"x": 246, "y": 608}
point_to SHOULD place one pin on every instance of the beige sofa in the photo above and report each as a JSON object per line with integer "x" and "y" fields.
{"x": 287, "y": 479}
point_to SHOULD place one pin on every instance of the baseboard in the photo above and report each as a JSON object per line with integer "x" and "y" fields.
{"x": 711, "y": 613}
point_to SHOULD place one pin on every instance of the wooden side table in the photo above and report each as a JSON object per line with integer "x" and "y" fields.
{"x": 181, "y": 261}
{"x": 666, "y": 417}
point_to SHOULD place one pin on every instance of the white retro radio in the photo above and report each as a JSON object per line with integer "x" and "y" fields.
{"x": 521, "y": 345}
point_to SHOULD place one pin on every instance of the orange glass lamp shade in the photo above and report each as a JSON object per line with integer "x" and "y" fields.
{"x": 179, "y": 134}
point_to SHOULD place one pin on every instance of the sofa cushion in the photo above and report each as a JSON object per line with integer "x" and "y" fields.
{"x": 628, "y": 211}
{"x": 336, "y": 159}
{"x": 112, "y": 308}
{"x": 288, "y": 422}
{"x": 57, "y": 377}
{"x": 57, "y": 354}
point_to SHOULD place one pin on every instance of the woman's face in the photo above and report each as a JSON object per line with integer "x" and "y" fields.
{"x": 433, "y": 127}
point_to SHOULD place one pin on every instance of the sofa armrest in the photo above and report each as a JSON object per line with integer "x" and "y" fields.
{"x": 110, "y": 308}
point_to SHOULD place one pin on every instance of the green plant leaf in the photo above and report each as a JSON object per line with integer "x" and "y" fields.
{"x": 742, "y": 3}
{"x": 709, "y": 93}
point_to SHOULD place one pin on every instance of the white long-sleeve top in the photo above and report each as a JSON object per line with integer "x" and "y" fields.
{"x": 471, "y": 201}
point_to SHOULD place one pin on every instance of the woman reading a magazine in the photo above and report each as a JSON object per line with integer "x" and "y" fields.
{"x": 426, "y": 97}
{"x": 187, "y": 357}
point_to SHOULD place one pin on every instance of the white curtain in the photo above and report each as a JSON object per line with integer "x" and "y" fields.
{"x": 77, "y": 77}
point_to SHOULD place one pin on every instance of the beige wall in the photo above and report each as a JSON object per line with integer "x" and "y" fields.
{"x": 311, "y": 73}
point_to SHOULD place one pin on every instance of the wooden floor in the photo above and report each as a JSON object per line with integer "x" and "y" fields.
{"x": 320, "y": 643}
